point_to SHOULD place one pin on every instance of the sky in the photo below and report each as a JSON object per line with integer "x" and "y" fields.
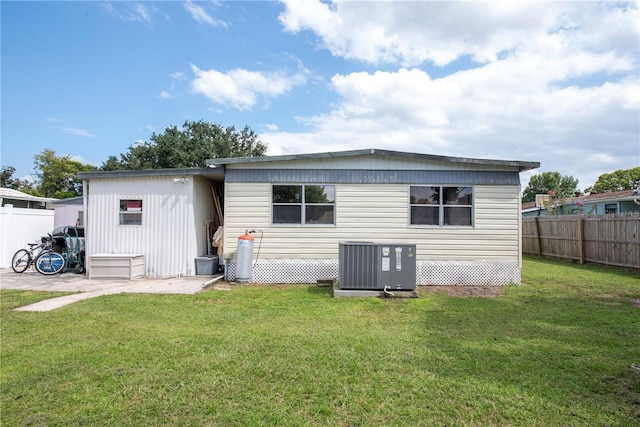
{"x": 552, "y": 82}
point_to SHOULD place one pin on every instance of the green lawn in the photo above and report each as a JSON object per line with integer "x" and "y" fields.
{"x": 556, "y": 351}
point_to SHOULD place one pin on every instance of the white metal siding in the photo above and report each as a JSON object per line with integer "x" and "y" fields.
{"x": 67, "y": 214}
{"x": 376, "y": 213}
{"x": 167, "y": 237}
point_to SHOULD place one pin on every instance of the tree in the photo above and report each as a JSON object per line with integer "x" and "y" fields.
{"x": 58, "y": 176}
{"x": 187, "y": 147}
{"x": 622, "y": 179}
{"x": 8, "y": 181}
{"x": 561, "y": 186}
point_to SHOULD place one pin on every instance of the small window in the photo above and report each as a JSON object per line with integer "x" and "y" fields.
{"x": 130, "y": 212}
{"x": 441, "y": 206}
{"x": 610, "y": 208}
{"x": 303, "y": 204}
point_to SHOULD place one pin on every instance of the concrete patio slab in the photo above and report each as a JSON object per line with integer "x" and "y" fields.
{"x": 71, "y": 282}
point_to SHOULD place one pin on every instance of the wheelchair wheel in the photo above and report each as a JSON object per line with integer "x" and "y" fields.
{"x": 49, "y": 263}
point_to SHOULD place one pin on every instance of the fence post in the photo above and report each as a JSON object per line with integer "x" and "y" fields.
{"x": 581, "y": 239}
{"x": 538, "y": 237}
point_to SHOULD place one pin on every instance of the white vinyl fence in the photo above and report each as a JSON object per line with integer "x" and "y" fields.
{"x": 18, "y": 226}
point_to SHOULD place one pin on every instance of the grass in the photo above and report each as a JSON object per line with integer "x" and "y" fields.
{"x": 556, "y": 351}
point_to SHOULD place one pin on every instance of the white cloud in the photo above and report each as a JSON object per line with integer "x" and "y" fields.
{"x": 582, "y": 132}
{"x": 79, "y": 159}
{"x": 79, "y": 132}
{"x": 549, "y": 82}
{"x": 130, "y": 11}
{"x": 241, "y": 88}
{"x": 410, "y": 33}
{"x": 141, "y": 12}
{"x": 579, "y": 132}
{"x": 165, "y": 95}
{"x": 199, "y": 14}
{"x": 54, "y": 119}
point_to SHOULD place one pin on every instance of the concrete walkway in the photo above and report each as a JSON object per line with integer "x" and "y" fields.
{"x": 85, "y": 288}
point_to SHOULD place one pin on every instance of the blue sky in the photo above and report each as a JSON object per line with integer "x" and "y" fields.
{"x": 557, "y": 83}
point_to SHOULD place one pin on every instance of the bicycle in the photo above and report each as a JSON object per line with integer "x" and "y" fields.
{"x": 25, "y": 258}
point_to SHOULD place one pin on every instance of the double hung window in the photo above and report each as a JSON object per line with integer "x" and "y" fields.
{"x": 441, "y": 206}
{"x": 303, "y": 204}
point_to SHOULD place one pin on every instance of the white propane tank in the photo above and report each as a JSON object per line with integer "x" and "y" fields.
{"x": 244, "y": 267}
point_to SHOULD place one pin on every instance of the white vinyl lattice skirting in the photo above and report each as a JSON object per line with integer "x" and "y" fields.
{"x": 468, "y": 273}
{"x": 434, "y": 273}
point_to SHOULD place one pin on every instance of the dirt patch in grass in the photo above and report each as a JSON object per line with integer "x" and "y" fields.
{"x": 464, "y": 291}
{"x": 457, "y": 291}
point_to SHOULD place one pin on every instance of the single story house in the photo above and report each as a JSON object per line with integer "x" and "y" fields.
{"x": 463, "y": 214}
{"x": 18, "y": 199}
{"x": 590, "y": 204}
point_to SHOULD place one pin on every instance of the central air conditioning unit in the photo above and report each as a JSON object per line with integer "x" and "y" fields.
{"x": 377, "y": 266}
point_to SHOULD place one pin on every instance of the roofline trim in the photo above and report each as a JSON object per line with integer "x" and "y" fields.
{"x": 521, "y": 165}
{"x": 208, "y": 171}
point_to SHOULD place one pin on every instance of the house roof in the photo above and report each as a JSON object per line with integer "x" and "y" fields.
{"x": 215, "y": 167}
{"x": 10, "y": 193}
{"x": 521, "y": 165}
{"x": 613, "y": 196}
{"x": 209, "y": 172}
{"x": 78, "y": 200}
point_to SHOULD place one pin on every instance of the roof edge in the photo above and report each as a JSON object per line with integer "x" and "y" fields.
{"x": 10, "y": 193}
{"x": 208, "y": 171}
{"x": 521, "y": 165}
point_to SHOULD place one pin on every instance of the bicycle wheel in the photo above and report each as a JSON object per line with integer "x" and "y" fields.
{"x": 49, "y": 263}
{"x": 21, "y": 261}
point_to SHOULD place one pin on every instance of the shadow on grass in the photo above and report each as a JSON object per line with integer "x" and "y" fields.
{"x": 320, "y": 290}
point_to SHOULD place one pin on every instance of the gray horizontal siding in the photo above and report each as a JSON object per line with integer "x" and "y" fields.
{"x": 341, "y": 176}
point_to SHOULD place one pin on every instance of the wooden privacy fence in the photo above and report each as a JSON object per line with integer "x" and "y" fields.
{"x": 612, "y": 239}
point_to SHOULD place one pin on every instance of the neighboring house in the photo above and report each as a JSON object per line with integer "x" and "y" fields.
{"x": 23, "y": 219}
{"x": 591, "y": 204}
{"x": 69, "y": 212}
{"x": 463, "y": 214}
{"x": 18, "y": 199}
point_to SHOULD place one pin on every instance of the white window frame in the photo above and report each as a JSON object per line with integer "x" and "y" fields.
{"x": 129, "y": 215}
{"x": 303, "y": 206}
{"x": 441, "y": 206}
